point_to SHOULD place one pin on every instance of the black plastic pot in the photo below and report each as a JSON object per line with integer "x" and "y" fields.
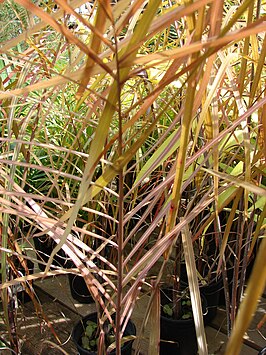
{"x": 78, "y": 286}
{"x": 79, "y": 290}
{"x": 212, "y": 295}
{"x": 22, "y": 295}
{"x": 211, "y": 292}
{"x": 181, "y": 334}
{"x": 78, "y": 331}
{"x": 262, "y": 351}
{"x": 178, "y": 336}
{"x": 44, "y": 247}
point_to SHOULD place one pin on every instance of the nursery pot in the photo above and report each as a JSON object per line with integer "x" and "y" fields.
{"x": 178, "y": 336}
{"x": 78, "y": 287}
{"x": 262, "y": 351}
{"x": 44, "y": 247}
{"x": 78, "y": 331}
{"x": 211, "y": 291}
{"x": 212, "y": 295}
{"x": 22, "y": 295}
{"x": 79, "y": 290}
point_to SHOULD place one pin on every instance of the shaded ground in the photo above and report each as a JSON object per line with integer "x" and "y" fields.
{"x": 35, "y": 333}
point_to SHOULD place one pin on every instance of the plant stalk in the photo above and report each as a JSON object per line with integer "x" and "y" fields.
{"x": 120, "y": 232}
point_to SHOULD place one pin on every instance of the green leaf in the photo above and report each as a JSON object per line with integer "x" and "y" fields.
{"x": 86, "y": 343}
{"x": 238, "y": 182}
{"x": 168, "y": 310}
{"x": 90, "y": 328}
{"x": 160, "y": 155}
{"x": 187, "y": 315}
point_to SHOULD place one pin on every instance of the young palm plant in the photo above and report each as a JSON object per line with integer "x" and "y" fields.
{"x": 106, "y": 123}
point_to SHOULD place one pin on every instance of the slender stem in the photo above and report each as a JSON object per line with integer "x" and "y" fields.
{"x": 244, "y": 260}
{"x": 120, "y": 264}
{"x": 226, "y": 296}
{"x": 239, "y": 242}
{"x": 176, "y": 284}
{"x": 12, "y": 326}
{"x": 120, "y": 232}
